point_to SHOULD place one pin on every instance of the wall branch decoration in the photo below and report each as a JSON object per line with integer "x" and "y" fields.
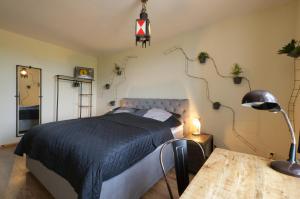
{"x": 187, "y": 61}
{"x": 292, "y": 49}
{"x": 119, "y": 71}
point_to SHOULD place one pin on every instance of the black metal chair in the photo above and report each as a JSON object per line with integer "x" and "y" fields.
{"x": 181, "y": 163}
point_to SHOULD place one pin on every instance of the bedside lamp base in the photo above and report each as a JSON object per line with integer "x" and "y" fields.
{"x": 292, "y": 169}
{"x": 196, "y": 133}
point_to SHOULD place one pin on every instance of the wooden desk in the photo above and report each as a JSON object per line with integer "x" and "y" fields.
{"x": 232, "y": 175}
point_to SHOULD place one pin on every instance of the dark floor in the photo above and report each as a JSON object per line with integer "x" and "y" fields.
{"x": 17, "y": 182}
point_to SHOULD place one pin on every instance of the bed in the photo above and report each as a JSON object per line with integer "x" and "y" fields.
{"x": 134, "y": 181}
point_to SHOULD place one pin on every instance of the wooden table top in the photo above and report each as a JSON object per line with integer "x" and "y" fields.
{"x": 232, "y": 175}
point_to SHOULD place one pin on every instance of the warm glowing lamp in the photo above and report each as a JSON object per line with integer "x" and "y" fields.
{"x": 24, "y": 73}
{"x": 197, "y": 125}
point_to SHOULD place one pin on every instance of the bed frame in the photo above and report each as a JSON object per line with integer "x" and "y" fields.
{"x": 131, "y": 183}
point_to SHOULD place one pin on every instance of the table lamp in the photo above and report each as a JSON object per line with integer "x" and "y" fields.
{"x": 197, "y": 125}
{"x": 264, "y": 100}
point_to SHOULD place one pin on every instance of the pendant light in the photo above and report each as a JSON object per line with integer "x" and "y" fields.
{"x": 142, "y": 27}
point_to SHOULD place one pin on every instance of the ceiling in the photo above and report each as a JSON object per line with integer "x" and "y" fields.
{"x": 102, "y": 26}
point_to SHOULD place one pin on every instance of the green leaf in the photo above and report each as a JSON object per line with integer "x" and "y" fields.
{"x": 288, "y": 48}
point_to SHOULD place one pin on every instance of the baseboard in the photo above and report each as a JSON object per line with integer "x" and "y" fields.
{"x": 8, "y": 145}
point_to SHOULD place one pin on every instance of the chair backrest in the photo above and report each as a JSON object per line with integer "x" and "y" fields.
{"x": 181, "y": 163}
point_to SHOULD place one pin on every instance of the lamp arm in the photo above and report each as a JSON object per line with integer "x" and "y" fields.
{"x": 292, "y": 154}
{"x": 291, "y": 129}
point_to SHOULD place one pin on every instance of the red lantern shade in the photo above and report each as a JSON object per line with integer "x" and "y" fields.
{"x": 140, "y": 27}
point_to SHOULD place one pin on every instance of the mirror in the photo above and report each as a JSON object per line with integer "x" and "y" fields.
{"x": 28, "y": 95}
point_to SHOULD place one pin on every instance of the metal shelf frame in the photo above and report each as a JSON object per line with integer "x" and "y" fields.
{"x": 81, "y": 81}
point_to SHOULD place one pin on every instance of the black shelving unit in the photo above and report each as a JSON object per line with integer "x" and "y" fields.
{"x": 81, "y": 95}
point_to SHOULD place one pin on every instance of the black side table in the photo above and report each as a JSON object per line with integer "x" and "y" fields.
{"x": 195, "y": 159}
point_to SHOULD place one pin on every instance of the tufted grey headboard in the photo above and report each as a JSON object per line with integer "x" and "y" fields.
{"x": 179, "y": 106}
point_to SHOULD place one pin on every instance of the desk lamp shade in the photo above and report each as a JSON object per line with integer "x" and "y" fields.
{"x": 261, "y": 100}
{"x": 264, "y": 100}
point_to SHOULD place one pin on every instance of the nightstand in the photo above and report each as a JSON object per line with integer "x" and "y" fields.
{"x": 194, "y": 157}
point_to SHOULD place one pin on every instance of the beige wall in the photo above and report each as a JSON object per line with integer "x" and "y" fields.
{"x": 252, "y": 41}
{"x": 19, "y": 50}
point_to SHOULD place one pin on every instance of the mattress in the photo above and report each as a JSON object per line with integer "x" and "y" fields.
{"x": 128, "y": 182}
{"x": 136, "y": 180}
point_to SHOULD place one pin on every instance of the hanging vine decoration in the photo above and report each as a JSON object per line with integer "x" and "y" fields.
{"x": 203, "y": 60}
{"x": 292, "y": 49}
{"x": 203, "y": 56}
{"x": 118, "y": 71}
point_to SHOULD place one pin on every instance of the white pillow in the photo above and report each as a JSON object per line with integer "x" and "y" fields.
{"x": 122, "y": 111}
{"x": 158, "y": 114}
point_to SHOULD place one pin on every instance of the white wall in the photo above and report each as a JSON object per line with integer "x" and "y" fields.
{"x": 19, "y": 50}
{"x": 252, "y": 41}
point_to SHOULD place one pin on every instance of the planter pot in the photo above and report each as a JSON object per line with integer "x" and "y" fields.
{"x": 294, "y": 53}
{"x": 112, "y": 103}
{"x": 107, "y": 86}
{"x": 119, "y": 72}
{"x": 76, "y": 84}
{"x": 237, "y": 80}
{"x": 202, "y": 60}
{"x": 203, "y": 57}
{"x": 216, "y": 105}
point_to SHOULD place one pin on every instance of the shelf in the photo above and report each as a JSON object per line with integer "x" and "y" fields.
{"x": 86, "y": 95}
{"x": 69, "y": 78}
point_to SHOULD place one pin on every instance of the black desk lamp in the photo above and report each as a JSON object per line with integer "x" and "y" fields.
{"x": 264, "y": 100}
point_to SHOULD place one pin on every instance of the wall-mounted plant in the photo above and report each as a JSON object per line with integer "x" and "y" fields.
{"x": 117, "y": 77}
{"x": 202, "y": 57}
{"x": 216, "y": 105}
{"x": 107, "y": 86}
{"x": 236, "y": 72}
{"x": 118, "y": 70}
{"x": 292, "y": 49}
{"x": 76, "y": 84}
{"x": 112, "y": 103}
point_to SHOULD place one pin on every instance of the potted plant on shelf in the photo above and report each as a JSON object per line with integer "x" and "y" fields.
{"x": 236, "y": 71}
{"x": 292, "y": 49}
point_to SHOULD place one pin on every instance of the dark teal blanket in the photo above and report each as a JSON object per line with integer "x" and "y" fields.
{"x": 88, "y": 151}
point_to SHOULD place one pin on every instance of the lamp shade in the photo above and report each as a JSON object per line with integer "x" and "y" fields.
{"x": 197, "y": 125}
{"x": 261, "y": 100}
{"x": 24, "y": 73}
